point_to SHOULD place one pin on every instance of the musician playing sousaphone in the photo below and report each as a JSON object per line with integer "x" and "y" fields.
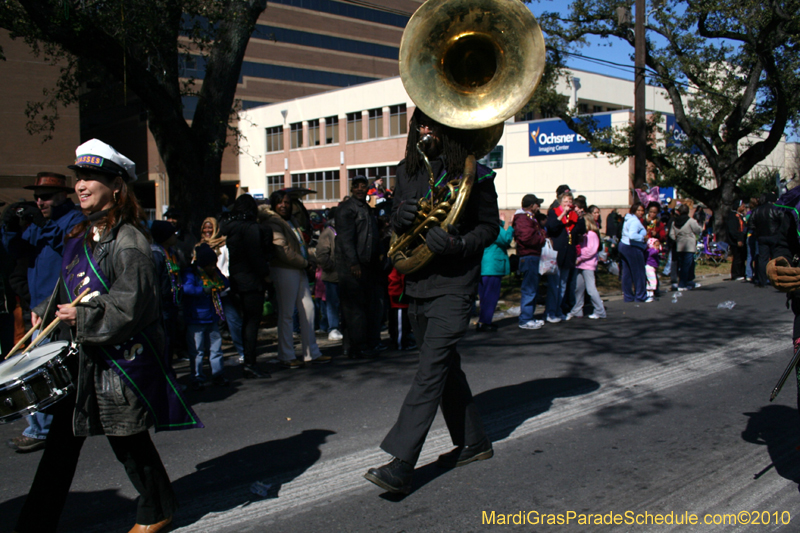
{"x": 123, "y": 383}
{"x": 441, "y": 298}
{"x": 468, "y": 65}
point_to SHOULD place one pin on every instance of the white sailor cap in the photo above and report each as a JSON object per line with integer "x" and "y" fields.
{"x": 98, "y": 156}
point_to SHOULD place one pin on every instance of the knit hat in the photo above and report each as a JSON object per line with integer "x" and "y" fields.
{"x": 205, "y": 255}
{"x": 161, "y": 230}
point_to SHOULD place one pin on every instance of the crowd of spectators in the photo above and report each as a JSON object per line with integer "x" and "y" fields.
{"x": 334, "y": 278}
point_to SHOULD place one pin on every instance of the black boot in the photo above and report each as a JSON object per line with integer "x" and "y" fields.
{"x": 464, "y": 455}
{"x": 394, "y": 477}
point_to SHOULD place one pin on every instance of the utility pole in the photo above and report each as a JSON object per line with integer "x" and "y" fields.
{"x": 640, "y": 132}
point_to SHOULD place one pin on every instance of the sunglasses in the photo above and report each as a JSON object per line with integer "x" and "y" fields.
{"x": 44, "y": 197}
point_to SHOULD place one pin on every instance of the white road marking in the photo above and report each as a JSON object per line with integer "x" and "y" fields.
{"x": 335, "y": 478}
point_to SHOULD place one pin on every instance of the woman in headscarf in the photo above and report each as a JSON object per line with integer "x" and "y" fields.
{"x": 210, "y": 235}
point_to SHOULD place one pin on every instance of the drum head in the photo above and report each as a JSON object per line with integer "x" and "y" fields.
{"x": 22, "y": 364}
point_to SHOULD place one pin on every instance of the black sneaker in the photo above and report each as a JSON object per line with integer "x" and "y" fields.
{"x": 464, "y": 455}
{"x": 251, "y": 372}
{"x": 220, "y": 381}
{"x": 23, "y": 444}
{"x": 480, "y": 326}
{"x": 393, "y": 477}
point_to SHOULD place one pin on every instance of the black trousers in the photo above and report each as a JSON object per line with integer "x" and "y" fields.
{"x": 360, "y": 306}
{"x": 438, "y": 324}
{"x": 137, "y": 453}
{"x": 739, "y": 259}
{"x": 252, "y": 303}
{"x": 766, "y": 250}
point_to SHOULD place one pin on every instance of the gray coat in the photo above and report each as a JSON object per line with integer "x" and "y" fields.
{"x": 104, "y": 406}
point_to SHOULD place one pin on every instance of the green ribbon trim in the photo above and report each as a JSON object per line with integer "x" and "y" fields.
{"x": 796, "y": 212}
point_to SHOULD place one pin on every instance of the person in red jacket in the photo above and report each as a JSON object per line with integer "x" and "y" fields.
{"x": 530, "y": 237}
{"x": 399, "y": 326}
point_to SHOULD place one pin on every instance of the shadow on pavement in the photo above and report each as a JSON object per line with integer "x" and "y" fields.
{"x": 220, "y": 484}
{"x": 224, "y": 482}
{"x": 775, "y": 426}
{"x": 505, "y": 408}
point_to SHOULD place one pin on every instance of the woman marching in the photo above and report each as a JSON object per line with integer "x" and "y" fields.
{"x": 124, "y": 383}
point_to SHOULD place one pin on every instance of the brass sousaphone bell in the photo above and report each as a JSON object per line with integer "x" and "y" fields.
{"x": 470, "y": 65}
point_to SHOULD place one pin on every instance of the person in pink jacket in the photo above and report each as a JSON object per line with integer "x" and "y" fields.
{"x": 585, "y": 265}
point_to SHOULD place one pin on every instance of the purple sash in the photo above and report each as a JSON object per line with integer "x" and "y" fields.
{"x": 137, "y": 362}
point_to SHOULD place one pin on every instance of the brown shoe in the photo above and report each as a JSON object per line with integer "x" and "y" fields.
{"x": 23, "y": 444}
{"x": 159, "y": 527}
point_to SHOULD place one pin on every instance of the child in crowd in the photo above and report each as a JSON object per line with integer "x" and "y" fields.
{"x": 585, "y": 267}
{"x": 651, "y": 266}
{"x": 399, "y": 326}
{"x": 203, "y": 285}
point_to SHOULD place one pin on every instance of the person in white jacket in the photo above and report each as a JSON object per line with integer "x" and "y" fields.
{"x": 632, "y": 249}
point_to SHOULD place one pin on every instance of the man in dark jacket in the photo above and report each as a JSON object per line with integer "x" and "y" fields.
{"x": 442, "y": 293}
{"x": 766, "y": 224}
{"x": 737, "y": 238}
{"x": 356, "y": 254}
{"x": 530, "y": 237}
{"x": 250, "y": 247}
{"x": 36, "y": 231}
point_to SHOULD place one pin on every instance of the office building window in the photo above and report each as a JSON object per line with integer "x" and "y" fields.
{"x": 388, "y": 173}
{"x": 324, "y": 183}
{"x": 313, "y": 132}
{"x": 398, "y": 125}
{"x": 375, "y": 123}
{"x": 274, "y": 183}
{"x": 332, "y": 130}
{"x": 296, "y": 134}
{"x": 354, "y": 126}
{"x": 275, "y": 139}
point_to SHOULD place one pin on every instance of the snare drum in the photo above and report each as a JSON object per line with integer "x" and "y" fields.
{"x": 34, "y": 380}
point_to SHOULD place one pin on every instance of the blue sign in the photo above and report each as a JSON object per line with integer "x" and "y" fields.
{"x": 665, "y": 194}
{"x": 554, "y": 137}
{"x": 676, "y": 136}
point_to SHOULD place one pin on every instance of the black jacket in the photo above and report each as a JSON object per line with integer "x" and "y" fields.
{"x": 250, "y": 247}
{"x": 737, "y": 229}
{"x": 356, "y": 234}
{"x": 478, "y": 225}
{"x": 766, "y": 222}
{"x": 560, "y": 238}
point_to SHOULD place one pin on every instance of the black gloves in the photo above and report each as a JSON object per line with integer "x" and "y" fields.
{"x": 29, "y": 211}
{"x": 10, "y": 218}
{"x": 406, "y": 213}
{"x": 443, "y": 242}
{"x": 22, "y": 211}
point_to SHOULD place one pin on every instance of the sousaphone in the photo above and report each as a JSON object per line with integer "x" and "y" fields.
{"x": 470, "y": 65}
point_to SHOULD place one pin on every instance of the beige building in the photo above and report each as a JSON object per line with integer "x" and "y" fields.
{"x": 22, "y": 156}
{"x": 365, "y": 131}
{"x": 322, "y": 141}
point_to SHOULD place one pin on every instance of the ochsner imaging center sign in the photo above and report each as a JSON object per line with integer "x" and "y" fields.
{"x": 554, "y": 137}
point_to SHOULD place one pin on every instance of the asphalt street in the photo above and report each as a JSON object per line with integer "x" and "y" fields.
{"x": 662, "y": 409}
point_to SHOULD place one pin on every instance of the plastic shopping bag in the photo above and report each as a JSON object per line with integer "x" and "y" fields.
{"x": 548, "y": 263}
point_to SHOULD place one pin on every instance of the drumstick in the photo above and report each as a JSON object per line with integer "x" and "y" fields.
{"x": 22, "y": 341}
{"x": 49, "y": 328}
